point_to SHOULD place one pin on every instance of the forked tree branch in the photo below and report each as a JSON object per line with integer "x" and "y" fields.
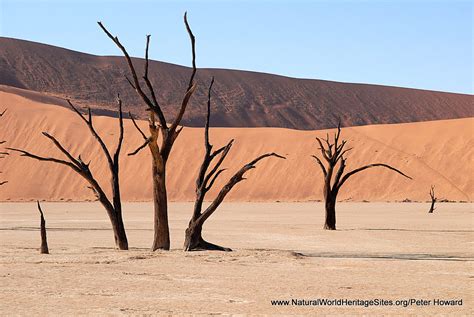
{"x": 88, "y": 122}
{"x": 333, "y": 153}
{"x": 235, "y": 179}
{"x": 223, "y": 155}
{"x": 145, "y": 138}
{"x": 78, "y": 165}
{"x": 136, "y": 83}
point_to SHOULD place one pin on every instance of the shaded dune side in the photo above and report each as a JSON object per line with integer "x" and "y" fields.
{"x": 437, "y": 152}
{"x": 241, "y": 98}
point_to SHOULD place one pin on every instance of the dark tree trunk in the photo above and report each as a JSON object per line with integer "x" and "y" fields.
{"x": 330, "y": 206}
{"x": 121, "y": 241}
{"x": 433, "y": 199}
{"x": 194, "y": 242}
{"x": 120, "y": 235}
{"x": 432, "y": 207}
{"x": 44, "y": 241}
{"x": 115, "y": 216}
{"x": 161, "y": 238}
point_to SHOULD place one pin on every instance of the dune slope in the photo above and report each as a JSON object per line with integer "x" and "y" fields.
{"x": 437, "y": 152}
{"x": 241, "y": 98}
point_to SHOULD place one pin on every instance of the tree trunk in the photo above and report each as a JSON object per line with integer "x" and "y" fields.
{"x": 44, "y": 241}
{"x": 120, "y": 236}
{"x": 118, "y": 228}
{"x": 116, "y": 221}
{"x": 161, "y": 239}
{"x": 432, "y": 207}
{"x": 194, "y": 242}
{"x": 330, "y": 222}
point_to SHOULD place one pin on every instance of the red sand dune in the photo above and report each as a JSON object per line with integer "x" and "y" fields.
{"x": 437, "y": 152}
{"x": 242, "y": 98}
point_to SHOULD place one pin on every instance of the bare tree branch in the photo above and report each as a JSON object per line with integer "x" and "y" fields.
{"x": 41, "y": 158}
{"x": 191, "y": 85}
{"x": 147, "y": 80}
{"x": 223, "y": 155}
{"x": 154, "y": 107}
{"x": 238, "y": 177}
{"x": 147, "y": 141}
{"x": 360, "y": 169}
{"x": 89, "y": 124}
{"x": 323, "y": 149}
{"x": 121, "y": 131}
{"x": 62, "y": 149}
{"x": 211, "y": 183}
{"x": 320, "y": 164}
{"x": 136, "y": 126}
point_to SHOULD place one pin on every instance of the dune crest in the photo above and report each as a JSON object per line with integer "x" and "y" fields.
{"x": 436, "y": 152}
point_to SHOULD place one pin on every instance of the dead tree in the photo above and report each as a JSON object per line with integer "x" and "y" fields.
{"x": 114, "y": 206}
{"x": 205, "y": 181}
{"x": 333, "y": 155}
{"x": 160, "y": 149}
{"x": 3, "y": 154}
{"x": 44, "y": 241}
{"x": 433, "y": 200}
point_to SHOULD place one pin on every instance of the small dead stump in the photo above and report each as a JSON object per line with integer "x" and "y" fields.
{"x": 44, "y": 241}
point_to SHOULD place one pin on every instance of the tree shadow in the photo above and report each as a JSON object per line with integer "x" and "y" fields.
{"x": 67, "y": 229}
{"x": 389, "y": 256}
{"x": 399, "y": 229}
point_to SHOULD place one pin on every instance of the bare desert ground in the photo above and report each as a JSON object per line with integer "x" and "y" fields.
{"x": 389, "y": 251}
{"x": 439, "y": 153}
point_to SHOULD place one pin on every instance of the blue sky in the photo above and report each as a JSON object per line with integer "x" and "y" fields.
{"x": 419, "y": 44}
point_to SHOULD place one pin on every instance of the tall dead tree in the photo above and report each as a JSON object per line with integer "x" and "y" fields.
{"x": 44, "y": 241}
{"x": 204, "y": 183}
{"x": 160, "y": 148}
{"x": 114, "y": 206}
{"x": 3, "y": 154}
{"x": 433, "y": 200}
{"x": 333, "y": 155}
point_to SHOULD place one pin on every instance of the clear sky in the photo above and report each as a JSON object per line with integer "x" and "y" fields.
{"x": 419, "y": 44}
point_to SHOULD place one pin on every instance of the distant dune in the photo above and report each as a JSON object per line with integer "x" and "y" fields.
{"x": 437, "y": 152}
{"x": 242, "y": 98}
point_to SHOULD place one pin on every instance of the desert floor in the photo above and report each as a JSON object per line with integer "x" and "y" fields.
{"x": 391, "y": 251}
